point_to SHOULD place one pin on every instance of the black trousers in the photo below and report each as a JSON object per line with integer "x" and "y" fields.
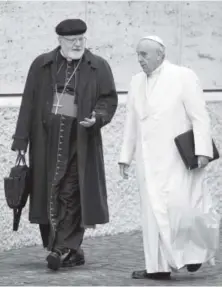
{"x": 69, "y": 232}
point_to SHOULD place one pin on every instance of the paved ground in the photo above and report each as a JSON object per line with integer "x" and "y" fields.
{"x": 110, "y": 261}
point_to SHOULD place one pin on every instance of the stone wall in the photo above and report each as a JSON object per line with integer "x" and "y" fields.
{"x": 191, "y": 30}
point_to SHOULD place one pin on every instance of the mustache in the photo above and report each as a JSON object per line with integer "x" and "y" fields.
{"x": 77, "y": 50}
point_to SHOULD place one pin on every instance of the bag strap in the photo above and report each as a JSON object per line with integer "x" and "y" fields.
{"x": 16, "y": 218}
{"x": 20, "y": 157}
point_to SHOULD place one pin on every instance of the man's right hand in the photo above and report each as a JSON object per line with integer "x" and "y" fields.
{"x": 124, "y": 170}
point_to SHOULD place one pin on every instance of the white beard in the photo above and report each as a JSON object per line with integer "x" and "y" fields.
{"x": 73, "y": 55}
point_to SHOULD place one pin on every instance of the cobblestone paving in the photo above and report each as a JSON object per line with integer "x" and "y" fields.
{"x": 110, "y": 261}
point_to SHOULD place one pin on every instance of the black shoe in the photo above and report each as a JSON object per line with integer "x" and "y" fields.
{"x": 74, "y": 258}
{"x": 193, "y": 267}
{"x": 142, "y": 274}
{"x": 54, "y": 260}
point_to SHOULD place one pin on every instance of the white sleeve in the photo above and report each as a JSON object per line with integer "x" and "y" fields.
{"x": 130, "y": 130}
{"x": 196, "y": 109}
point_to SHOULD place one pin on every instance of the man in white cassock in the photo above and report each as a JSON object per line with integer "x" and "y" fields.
{"x": 180, "y": 225}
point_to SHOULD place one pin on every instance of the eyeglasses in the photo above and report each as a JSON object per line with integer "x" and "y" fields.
{"x": 74, "y": 41}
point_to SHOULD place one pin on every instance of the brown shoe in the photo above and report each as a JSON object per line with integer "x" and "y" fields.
{"x": 142, "y": 274}
{"x": 193, "y": 267}
{"x": 74, "y": 258}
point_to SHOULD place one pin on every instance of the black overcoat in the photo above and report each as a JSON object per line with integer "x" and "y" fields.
{"x": 96, "y": 91}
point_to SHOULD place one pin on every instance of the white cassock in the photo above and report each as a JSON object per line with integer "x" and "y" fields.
{"x": 180, "y": 225}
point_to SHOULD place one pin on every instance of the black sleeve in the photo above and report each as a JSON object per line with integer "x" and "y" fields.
{"x": 107, "y": 102}
{"x": 22, "y": 131}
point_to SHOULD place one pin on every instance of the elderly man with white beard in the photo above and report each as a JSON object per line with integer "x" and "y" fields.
{"x": 69, "y": 96}
{"x": 180, "y": 225}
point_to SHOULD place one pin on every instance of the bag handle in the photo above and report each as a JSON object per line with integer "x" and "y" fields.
{"x": 20, "y": 157}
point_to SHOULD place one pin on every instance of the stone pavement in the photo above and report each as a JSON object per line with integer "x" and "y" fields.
{"x": 110, "y": 261}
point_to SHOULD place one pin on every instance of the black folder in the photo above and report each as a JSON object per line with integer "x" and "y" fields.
{"x": 186, "y": 147}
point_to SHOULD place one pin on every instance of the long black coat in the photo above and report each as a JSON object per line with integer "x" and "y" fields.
{"x": 96, "y": 91}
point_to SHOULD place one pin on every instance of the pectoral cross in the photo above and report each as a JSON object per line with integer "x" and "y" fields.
{"x": 57, "y": 106}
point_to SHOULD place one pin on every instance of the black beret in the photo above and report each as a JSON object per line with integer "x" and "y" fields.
{"x": 71, "y": 27}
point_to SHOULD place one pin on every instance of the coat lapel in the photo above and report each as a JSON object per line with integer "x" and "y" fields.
{"x": 150, "y": 92}
{"x": 142, "y": 98}
{"x": 84, "y": 71}
{"x": 83, "y": 91}
{"x": 53, "y": 71}
{"x": 48, "y": 81}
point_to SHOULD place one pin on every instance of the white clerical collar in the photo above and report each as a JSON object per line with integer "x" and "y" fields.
{"x": 158, "y": 69}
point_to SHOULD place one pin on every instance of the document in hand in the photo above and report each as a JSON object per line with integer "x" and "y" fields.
{"x": 186, "y": 148}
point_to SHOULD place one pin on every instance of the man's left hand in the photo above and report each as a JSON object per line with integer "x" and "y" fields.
{"x": 89, "y": 122}
{"x": 202, "y": 161}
